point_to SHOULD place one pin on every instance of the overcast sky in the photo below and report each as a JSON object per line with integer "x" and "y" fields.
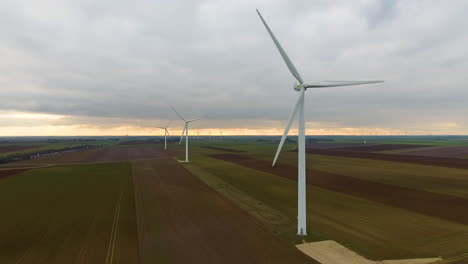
{"x": 112, "y": 67}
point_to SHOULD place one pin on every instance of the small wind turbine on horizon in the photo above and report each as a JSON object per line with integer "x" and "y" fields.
{"x": 298, "y": 109}
{"x": 186, "y": 133}
{"x": 166, "y": 133}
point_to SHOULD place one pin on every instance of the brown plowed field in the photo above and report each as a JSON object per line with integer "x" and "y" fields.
{"x": 377, "y": 147}
{"x": 182, "y": 220}
{"x": 448, "y": 152}
{"x": 104, "y": 154}
{"x": 223, "y": 149}
{"x": 11, "y": 148}
{"x": 435, "y": 161}
{"x": 428, "y": 203}
{"x": 142, "y": 142}
{"x": 332, "y": 145}
{"x": 6, "y": 173}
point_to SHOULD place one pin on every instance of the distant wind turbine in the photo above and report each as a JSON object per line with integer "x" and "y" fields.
{"x": 166, "y": 132}
{"x": 184, "y": 131}
{"x": 299, "y": 109}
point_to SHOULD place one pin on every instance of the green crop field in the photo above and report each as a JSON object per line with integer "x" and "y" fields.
{"x": 66, "y": 214}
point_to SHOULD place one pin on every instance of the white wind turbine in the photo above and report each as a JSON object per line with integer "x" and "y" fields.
{"x": 299, "y": 109}
{"x": 186, "y": 133}
{"x": 166, "y": 133}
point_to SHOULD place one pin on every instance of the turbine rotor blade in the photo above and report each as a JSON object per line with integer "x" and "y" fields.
{"x": 288, "y": 126}
{"x": 183, "y": 132}
{"x": 177, "y": 113}
{"x": 337, "y": 83}
{"x": 169, "y": 123}
{"x": 193, "y": 120}
{"x": 286, "y": 59}
{"x": 167, "y": 131}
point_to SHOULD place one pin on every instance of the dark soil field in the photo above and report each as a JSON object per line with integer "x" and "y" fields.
{"x": 438, "y": 205}
{"x": 182, "y": 220}
{"x": 104, "y": 154}
{"x": 223, "y": 149}
{"x": 447, "y": 152}
{"x": 12, "y": 148}
{"x": 141, "y": 142}
{"x": 332, "y": 145}
{"x": 9, "y": 172}
{"x": 376, "y": 147}
{"x": 435, "y": 161}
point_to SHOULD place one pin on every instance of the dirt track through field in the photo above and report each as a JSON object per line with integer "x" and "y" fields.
{"x": 428, "y": 203}
{"x": 182, "y": 220}
{"x": 435, "y": 161}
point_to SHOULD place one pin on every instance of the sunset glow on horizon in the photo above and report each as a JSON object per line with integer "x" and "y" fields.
{"x": 39, "y": 124}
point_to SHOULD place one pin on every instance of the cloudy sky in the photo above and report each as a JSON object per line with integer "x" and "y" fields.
{"x": 82, "y": 67}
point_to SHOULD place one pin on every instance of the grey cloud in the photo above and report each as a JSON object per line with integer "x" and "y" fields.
{"x": 130, "y": 60}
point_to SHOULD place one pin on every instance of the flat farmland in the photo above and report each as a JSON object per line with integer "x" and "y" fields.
{"x": 424, "y": 160}
{"x": 182, "y": 220}
{"x": 437, "y": 205}
{"x": 373, "y": 229}
{"x": 13, "y": 148}
{"x": 397, "y": 221}
{"x": 103, "y": 154}
{"x": 447, "y": 152}
{"x": 227, "y": 206}
{"x": 69, "y": 214}
{"x": 10, "y": 172}
{"x": 364, "y": 147}
{"x": 431, "y": 178}
{"x": 30, "y": 148}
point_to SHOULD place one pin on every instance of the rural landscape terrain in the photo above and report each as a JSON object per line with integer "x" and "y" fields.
{"x": 127, "y": 200}
{"x": 231, "y": 132}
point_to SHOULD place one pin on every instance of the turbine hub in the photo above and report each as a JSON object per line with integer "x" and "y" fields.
{"x": 297, "y": 87}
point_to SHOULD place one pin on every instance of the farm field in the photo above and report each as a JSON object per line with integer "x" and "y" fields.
{"x": 66, "y": 214}
{"x": 182, "y": 220}
{"x": 397, "y": 234}
{"x": 364, "y": 147}
{"x": 438, "y": 205}
{"x": 448, "y": 152}
{"x": 163, "y": 190}
{"x": 9, "y": 148}
{"x": 182, "y": 213}
{"x": 103, "y": 154}
{"x": 18, "y": 148}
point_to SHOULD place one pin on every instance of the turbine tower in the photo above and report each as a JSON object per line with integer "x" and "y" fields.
{"x": 166, "y": 133}
{"x": 186, "y": 133}
{"x": 298, "y": 110}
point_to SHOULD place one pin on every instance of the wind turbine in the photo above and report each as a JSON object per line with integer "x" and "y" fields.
{"x": 298, "y": 109}
{"x": 186, "y": 133}
{"x": 166, "y": 133}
